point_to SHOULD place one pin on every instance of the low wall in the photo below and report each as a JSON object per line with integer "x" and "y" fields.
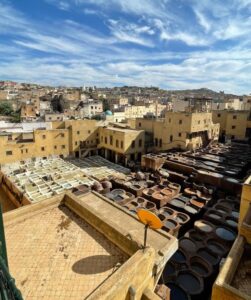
{"x": 131, "y": 279}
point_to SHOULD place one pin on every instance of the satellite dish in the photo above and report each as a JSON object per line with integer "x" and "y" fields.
{"x": 150, "y": 220}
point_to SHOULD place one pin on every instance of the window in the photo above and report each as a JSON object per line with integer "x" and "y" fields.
{"x": 180, "y": 121}
{"x": 101, "y": 139}
{"x": 171, "y": 138}
{"x": 234, "y": 117}
{"x": 42, "y": 149}
{"x": 105, "y": 140}
{"x": 22, "y": 151}
{"x": 156, "y": 142}
{"x": 169, "y": 120}
{"x": 63, "y": 146}
{"x": 55, "y": 147}
{"x": 219, "y": 115}
{"x": 49, "y": 118}
{"x": 78, "y": 132}
{"x": 179, "y": 134}
{"x": 9, "y": 137}
{"x": 97, "y": 141}
{"x": 199, "y": 122}
{"x": 97, "y": 134}
{"x": 111, "y": 139}
{"x": 26, "y": 150}
{"x": 233, "y": 127}
{"x": 62, "y": 134}
{"x": 89, "y": 131}
{"x": 58, "y": 118}
{"x": 76, "y": 143}
{"x": 44, "y": 136}
{"x": 160, "y": 143}
{"x": 139, "y": 124}
{"x": 121, "y": 144}
{"x": 232, "y": 137}
{"x": 140, "y": 143}
{"x": 8, "y": 153}
{"x": 133, "y": 144}
{"x": 117, "y": 143}
{"x": 91, "y": 107}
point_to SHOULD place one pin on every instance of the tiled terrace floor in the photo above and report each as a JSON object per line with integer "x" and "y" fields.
{"x": 56, "y": 255}
{"x": 6, "y": 203}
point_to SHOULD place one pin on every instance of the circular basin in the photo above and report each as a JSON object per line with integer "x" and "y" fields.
{"x": 177, "y": 203}
{"x": 208, "y": 255}
{"x": 177, "y": 293}
{"x": 200, "y": 266}
{"x": 191, "y": 209}
{"x": 232, "y": 222}
{"x": 170, "y": 224}
{"x": 169, "y": 271}
{"x": 187, "y": 244}
{"x": 166, "y": 211}
{"x": 215, "y": 247}
{"x": 182, "y": 218}
{"x": 179, "y": 257}
{"x": 190, "y": 282}
{"x": 204, "y": 226}
{"x": 225, "y": 234}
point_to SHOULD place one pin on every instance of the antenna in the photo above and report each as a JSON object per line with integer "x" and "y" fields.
{"x": 150, "y": 220}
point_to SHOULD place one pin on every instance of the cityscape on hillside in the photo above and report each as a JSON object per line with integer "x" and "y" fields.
{"x": 125, "y": 150}
{"x": 79, "y": 165}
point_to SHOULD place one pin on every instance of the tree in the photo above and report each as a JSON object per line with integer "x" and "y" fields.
{"x": 6, "y": 109}
{"x": 16, "y": 117}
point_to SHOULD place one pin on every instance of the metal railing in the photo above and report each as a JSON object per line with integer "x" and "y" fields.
{"x": 8, "y": 289}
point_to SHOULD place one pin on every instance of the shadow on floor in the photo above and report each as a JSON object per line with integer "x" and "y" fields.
{"x": 95, "y": 264}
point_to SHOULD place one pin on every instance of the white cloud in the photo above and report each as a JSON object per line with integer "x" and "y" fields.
{"x": 75, "y": 54}
{"x": 131, "y": 32}
{"x": 203, "y": 21}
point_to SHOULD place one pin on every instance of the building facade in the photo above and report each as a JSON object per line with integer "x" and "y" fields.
{"x": 233, "y": 124}
{"x": 179, "y": 130}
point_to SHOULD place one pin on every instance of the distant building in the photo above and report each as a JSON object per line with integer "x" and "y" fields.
{"x": 234, "y": 104}
{"x": 179, "y": 130}
{"x": 90, "y": 108}
{"x": 54, "y": 117}
{"x": 233, "y": 124}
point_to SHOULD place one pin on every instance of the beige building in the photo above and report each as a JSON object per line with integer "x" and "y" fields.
{"x": 72, "y": 137}
{"x": 121, "y": 145}
{"x": 77, "y": 138}
{"x": 53, "y": 117}
{"x": 120, "y": 101}
{"x": 139, "y": 111}
{"x": 179, "y": 130}
{"x": 235, "y": 104}
{"x": 233, "y": 124}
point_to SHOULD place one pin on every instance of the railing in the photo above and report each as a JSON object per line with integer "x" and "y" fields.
{"x": 8, "y": 289}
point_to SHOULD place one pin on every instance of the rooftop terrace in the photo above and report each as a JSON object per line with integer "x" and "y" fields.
{"x": 71, "y": 248}
{"x": 57, "y": 255}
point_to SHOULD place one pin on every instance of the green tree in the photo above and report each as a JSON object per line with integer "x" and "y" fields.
{"x": 16, "y": 117}
{"x": 6, "y": 109}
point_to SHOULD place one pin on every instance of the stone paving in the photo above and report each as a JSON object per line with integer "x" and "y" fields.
{"x": 57, "y": 255}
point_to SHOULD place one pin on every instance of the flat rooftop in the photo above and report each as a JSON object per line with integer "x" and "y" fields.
{"x": 123, "y": 129}
{"x": 55, "y": 254}
{"x": 99, "y": 167}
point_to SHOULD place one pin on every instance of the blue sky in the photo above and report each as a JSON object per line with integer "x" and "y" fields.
{"x": 173, "y": 44}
